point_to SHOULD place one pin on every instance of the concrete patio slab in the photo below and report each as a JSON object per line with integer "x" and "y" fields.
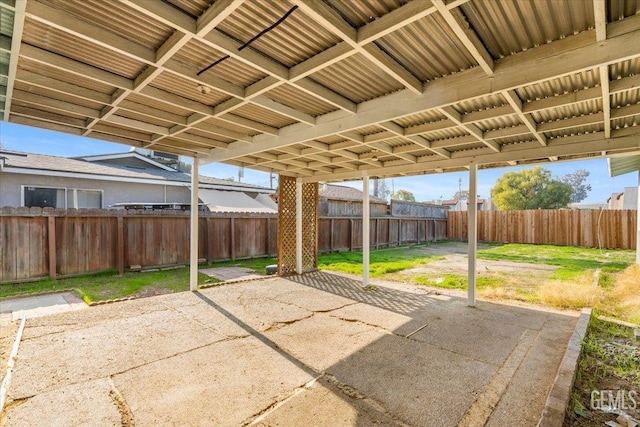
{"x": 310, "y": 350}
{"x": 230, "y": 273}
{"x": 41, "y": 305}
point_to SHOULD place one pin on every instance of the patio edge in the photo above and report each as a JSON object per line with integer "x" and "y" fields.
{"x": 558, "y": 398}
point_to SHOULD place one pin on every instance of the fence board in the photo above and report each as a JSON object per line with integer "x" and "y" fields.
{"x": 609, "y": 229}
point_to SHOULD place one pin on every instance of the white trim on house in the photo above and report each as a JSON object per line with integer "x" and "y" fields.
{"x": 66, "y": 191}
{"x": 153, "y": 181}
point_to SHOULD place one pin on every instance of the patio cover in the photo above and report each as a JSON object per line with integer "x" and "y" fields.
{"x": 331, "y": 90}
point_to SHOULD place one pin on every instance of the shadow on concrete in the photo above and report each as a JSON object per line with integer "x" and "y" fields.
{"x": 437, "y": 363}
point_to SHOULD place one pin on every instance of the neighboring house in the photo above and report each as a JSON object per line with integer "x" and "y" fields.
{"x": 117, "y": 180}
{"x": 340, "y": 200}
{"x": 462, "y": 204}
{"x": 588, "y": 205}
{"x": 628, "y": 199}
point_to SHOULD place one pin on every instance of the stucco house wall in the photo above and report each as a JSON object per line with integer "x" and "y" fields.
{"x": 113, "y": 192}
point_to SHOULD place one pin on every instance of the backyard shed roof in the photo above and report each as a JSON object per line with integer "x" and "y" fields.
{"x": 331, "y": 90}
{"x": 342, "y": 192}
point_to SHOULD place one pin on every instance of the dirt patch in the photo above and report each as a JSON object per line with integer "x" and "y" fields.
{"x": 458, "y": 264}
{"x": 151, "y": 291}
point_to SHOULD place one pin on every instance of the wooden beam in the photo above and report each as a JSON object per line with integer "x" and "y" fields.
{"x": 606, "y": 100}
{"x": 594, "y": 144}
{"x": 516, "y": 103}
{"x": 456, "y": 117}
{"x": 466, "y": 35}
{"x": 600, "y": 15}
{"x": 563, "y": 57}
{"x": 332, "y": 21}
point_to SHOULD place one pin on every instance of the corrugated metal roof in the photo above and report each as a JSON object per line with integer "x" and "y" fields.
{"x": 508, "y": 27}
{"x": 294, "y": 40}
{"x": 428, "y": 48}
{"x": 263, "y": 115}
{"x": 358, "y": 13}
{"x": 623, "y": 165}
{"x": 346, "y": 92}
{"x": 6, "y": 21}
{"x": 187, "y": 89}
{"x": 302, "y": 101}
{"x": 192, "y": 7}
{"x": 116, "y": 17}
{"x": 54, "y": 40}
{"x": 357, "y": 79}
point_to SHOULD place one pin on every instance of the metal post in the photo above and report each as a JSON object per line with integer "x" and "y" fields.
{"x": 473, "y": 233}
{"x": 193, "y": 262}
{"x": 298, "y": 227}
{"x": 365, "y": 231}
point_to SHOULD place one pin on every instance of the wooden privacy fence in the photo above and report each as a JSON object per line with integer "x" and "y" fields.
{"x": 345, "y": 234}
{"x": 611, "y": 229}
{"x": 37, "y": 242}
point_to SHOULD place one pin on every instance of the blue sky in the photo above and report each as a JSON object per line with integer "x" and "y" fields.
{"x": 425, "y": 187}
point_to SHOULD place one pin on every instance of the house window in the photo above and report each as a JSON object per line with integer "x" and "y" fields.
{"x": 63, "y": 198}
{"x": 44, "y": 197}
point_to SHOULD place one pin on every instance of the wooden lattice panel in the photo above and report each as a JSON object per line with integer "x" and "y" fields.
{"x": 286, "y": 225}
{"x": 310, "y": 195}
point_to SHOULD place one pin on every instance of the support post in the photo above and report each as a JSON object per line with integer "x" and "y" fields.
{"x": 365, "y": 231}
{"x": 193, "y": 255}
{"x": 232, "y": 237}
{"x": 638, "y": 224}
{"x": 472, "y": 233}
{"x": 298, "y": 227}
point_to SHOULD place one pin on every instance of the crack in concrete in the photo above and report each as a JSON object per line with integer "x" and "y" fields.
{"x": 356, "y": 394}
{"x": 265, "y": 412}
{"x": 279, "y": 325}
{"x": 10, "y": 405}
{"x": 126, "y": 416}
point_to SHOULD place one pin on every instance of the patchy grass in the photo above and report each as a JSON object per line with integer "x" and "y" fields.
{"x": 572, "y": 261}
{"x": 109, "y": 285}
{"x": 623, "y": 298}
{"x": 610, "y": 360}
{"x": 383, "y": 261}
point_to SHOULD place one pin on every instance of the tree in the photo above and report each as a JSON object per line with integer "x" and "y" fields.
{"x": 530, "y": 189}
{"x": 577, "y": 182}
{"x": 403, "y": 195}
{"x": 383, "y": 189}
{"x": 183, "y": 167}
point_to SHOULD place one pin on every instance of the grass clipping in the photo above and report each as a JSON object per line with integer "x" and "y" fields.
{"x": 623, "y": 300}
{"x": 573, "y": 294}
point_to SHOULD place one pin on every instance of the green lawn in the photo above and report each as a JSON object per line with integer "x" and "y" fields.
{"x": 381, "y": 262}
{"x": 109, "y": 285}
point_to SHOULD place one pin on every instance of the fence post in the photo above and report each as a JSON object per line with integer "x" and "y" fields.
{"x": 120, "y": 242}
{"x": 268, "y": 233}
{"x": 388, "y": 232}
{"x": 331, "y": 235}
{"x": 232, "y": 239}
{"x": 377, "y": 233}
{"x": 51, "y": 231}
{"x": 207, "y": 241}
{"x": 399, "y": 232}
{"x": 350, "y": 235}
